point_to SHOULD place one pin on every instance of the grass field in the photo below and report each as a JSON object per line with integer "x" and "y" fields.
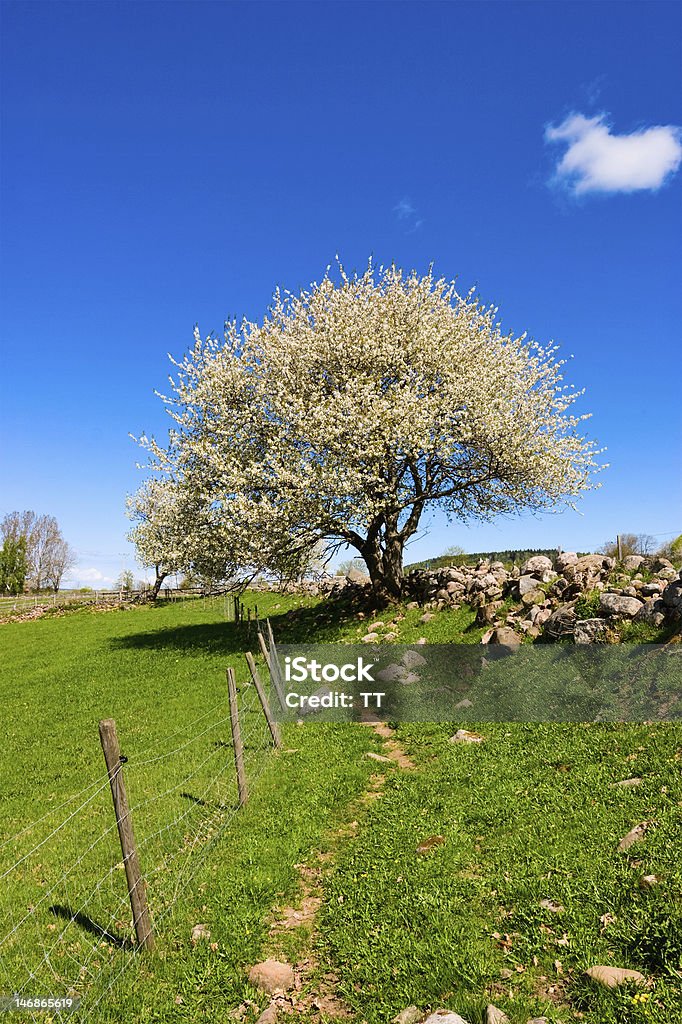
{"x": 524, "y": 818}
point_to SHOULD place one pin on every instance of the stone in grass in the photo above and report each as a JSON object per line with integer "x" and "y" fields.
{"x": 411, "y": 659}
{"x": 370, "y": 638}
{"x": 635, "y": 835}
{"x": 429, "y": 844}
{"x": 612, "y": 977}
{"x": 200, "y": 933}
{"x": 495, "y": 1016}
{"x": 272, "y": 976}
{"x": 464, "y": 736}
{"x": 409, "y": 1015}
{"x": 269, "y": 1015}
{"x": 376, "y": 625}
{"x": 445, "y": 1017}
{"x": 505, "y": 637}
{"x": 426, "y": 617}
{"x": 626, "y": 783}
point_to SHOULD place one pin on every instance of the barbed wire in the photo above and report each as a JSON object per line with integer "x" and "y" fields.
{"x": 192, "y": 852}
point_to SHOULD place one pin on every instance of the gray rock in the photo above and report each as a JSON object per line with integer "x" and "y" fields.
{"x": 505, "y": 636}
{"x": 632, "y": 562}
{"x": 495, "y": 1016}
{"x": 355, "y": 576}
{"x": 565, "y": 559}
{"x": 661, "y": 563}
{"x": 590, "y": 631}
{"x": 652, "y": 612}
{"x": 526, "y": 584}
{"x": 672, "y": 596}
{"x": 561, "y": 622}
{"x": 616, "y": 604}
{"x": 537, "y": 565}
{"x": 533, "y": 597}
{"x": 407, "y": 1016}
{"x": 411, "y": 659}
{"x": 445, "y": 1017}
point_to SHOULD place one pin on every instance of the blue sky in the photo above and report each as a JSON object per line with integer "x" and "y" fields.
{"x": 166, "y": 164}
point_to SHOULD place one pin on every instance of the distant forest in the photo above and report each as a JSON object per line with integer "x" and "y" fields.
{"x": 509, "y": 557}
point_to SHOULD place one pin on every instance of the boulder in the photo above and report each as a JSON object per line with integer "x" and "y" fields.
{"x": 652, "y": 612}
{"x": 632, "y": 562}
{"x": 565, "y": 559}
{"x": 355, "y": 576}
{"x": 561, "y": 622}
{"x": 526, "y": 584}
{"x": 661, "y": 563}
{"x": 533, "y": 597}
{"x": 495, "y": 1016}
{"x": 505, "y": 636}
{"x": 672, "y": 596}
{"x": 617, "y": 604}
{"x": 537, "y": 565}
{"x": 590, "y": 631}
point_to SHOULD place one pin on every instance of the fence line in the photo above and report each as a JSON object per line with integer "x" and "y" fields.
{"x": 170, "y": 856}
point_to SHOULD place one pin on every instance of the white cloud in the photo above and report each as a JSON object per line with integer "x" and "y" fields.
{"x": 599, "y": 161}
{"x": 85, "y": 576}
{"x": 404, "y": 209}
{"x": 409, "y": 215}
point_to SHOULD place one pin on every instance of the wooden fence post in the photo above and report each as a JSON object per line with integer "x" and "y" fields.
{"x": 274, "y": 668}
{"x": 620, "y": 548}
{"x": 237, "y": 744}
{"x": 264, "y": 650}
{"x": 136, "y": 886}
{"x": 272, "y": 724}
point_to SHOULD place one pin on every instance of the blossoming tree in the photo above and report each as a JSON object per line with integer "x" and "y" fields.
{"x": 359, "y": 405}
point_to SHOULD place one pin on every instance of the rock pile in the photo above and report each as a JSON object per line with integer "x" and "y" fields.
{"x": 541, "y": 598}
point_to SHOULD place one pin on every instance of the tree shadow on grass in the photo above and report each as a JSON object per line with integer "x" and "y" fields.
{"x": 220, "y": 638}
{"x": 87, "y": 923}
{"x": 316, "y": 624}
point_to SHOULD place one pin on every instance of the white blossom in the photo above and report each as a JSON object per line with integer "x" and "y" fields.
{"x": 360, "y": 403}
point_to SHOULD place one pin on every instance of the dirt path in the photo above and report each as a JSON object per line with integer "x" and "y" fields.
{"x": 294, "y": 928}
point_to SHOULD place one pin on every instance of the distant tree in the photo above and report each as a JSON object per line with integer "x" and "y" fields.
{"x": 453, "y": 551}
{"x": 13, "y": 565}
{"x": 62, "y": 557}
{"x": 672, "y": 550}
{"x": 630, "y": 544}
{"x": 126, "y": 581}
{"x": 48, "y": 555}
{"x": 358, "y": 564}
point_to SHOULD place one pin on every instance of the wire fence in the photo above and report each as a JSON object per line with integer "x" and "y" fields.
{"x": 66, "y": 927}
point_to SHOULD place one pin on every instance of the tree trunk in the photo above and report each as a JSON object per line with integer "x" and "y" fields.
{"x": 160, "y": 577}
{"x": 385, "y": 566}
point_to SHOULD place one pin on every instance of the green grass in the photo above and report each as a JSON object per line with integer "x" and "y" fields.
{"x": 527, "y": 815}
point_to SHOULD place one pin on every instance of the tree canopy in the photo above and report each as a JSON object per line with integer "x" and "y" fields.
{"x": 358, "y": 405}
